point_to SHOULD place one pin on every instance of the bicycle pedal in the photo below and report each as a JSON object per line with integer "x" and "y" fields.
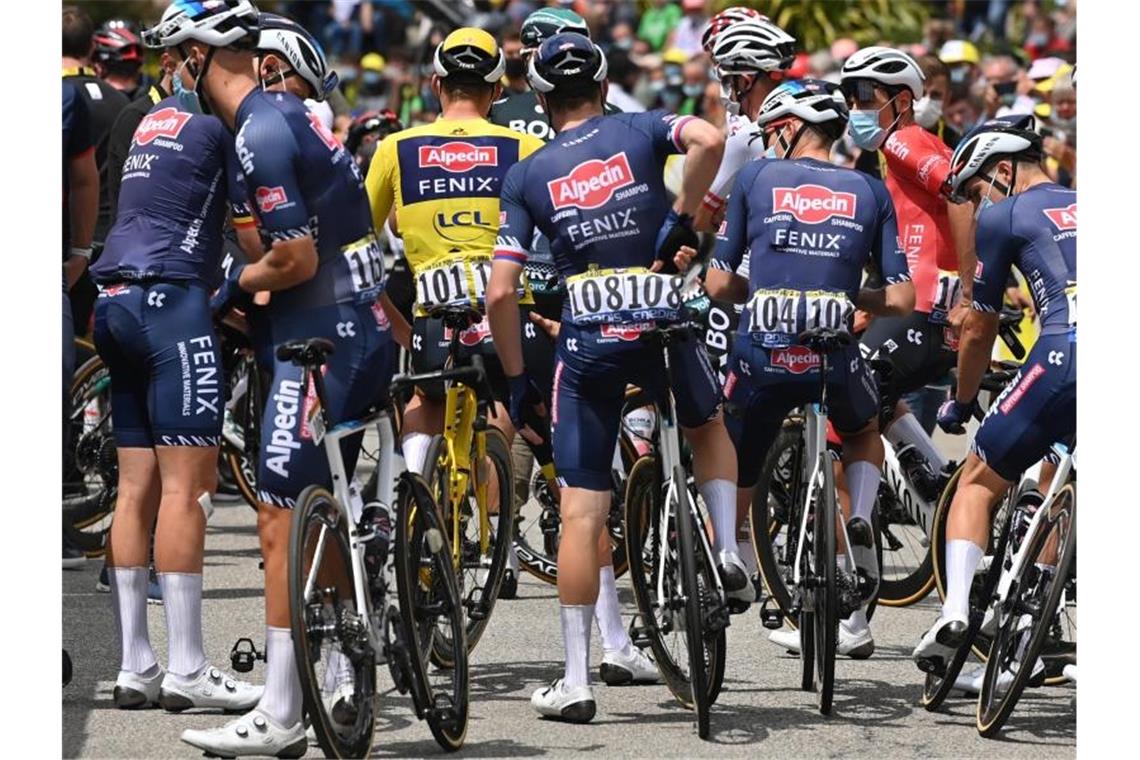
{"x": 476, "y": 604}
{"x": 771, "y": 616}
{"x": 242, "y": 659}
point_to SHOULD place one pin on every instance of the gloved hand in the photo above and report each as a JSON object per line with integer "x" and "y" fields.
{"x": 525, "y": 397}
{"x": 953, "y": 415}
{"x": 676, "y": 231}
{"x": 229, "y": 294}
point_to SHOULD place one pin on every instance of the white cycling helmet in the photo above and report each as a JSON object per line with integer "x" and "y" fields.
{"x": 886, "y": 66}
{"x": 291, "y": 41}
{"x": 752, "y": 45}
{"x": 810, "y": 100}
{"x": 1007, "y": 136}
{"x": 722, "y": 21}
{"x": 217, "y": 23}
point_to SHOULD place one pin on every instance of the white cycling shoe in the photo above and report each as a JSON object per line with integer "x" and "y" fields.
{"x": 572, "y": 705}
{"x": 254, "y": 733}
{"x": 618, "y": 668}
{"x": 211, "y": 689}
{"x": 938, "y": 645}
{"x": 858, "y": 644}
{"x": 134, "y": 691}
{"x": 971, "y": 682}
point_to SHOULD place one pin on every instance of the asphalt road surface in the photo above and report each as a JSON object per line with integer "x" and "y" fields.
{"x": 761, "y": 711}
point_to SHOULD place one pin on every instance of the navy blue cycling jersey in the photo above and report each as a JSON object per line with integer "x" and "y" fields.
{"x": 1035, "y": 231}
{"x": 303, "y": 182}
{"x": 177, "y": 179}
{"x": 811, "y": 228}
{"x": 595, "y": 191}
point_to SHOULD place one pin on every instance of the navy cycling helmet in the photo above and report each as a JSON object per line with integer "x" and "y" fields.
{"x": 566, "y": 61}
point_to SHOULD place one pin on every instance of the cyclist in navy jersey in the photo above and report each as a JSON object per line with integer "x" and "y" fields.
{"x": 324, "y": 273}
{"x": 596, "y": 192}
{"x": 154, "y": 332}
{"x": 1029, "y": 222}
{"x": 811, "y": 228}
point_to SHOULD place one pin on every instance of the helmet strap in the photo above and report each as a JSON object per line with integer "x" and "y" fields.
{"x": 789, "y": 148}
{"x": 200, "y": 80}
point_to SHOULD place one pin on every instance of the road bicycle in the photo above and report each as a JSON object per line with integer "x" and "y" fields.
{"x": 91, "y": 469}
{"x": 342, "y": 613}
{"x": 680, "y": 598}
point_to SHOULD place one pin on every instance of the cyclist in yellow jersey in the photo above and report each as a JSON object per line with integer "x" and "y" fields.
{"x": 443, "y": 180}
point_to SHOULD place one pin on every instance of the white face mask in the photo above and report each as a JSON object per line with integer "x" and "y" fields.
{"x": 927, "y": 112}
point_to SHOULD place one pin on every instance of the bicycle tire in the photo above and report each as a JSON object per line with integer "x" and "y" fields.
{"x": 87, "y": 515}
{"x": 313, "y": 615}
{"x": 993, "y": 709}
{"x": 826, "y": 595}
{"x": 938, "y": 686}
{"x": 694, "y": 628}
{"x": 243, "y": 463}
{"x": 642, "y": 513}
{"x": 918, "y": 582}
{"x": 541, "y": 561}
{"x": 428, "y": 594}
{"x": 472, "y": 559}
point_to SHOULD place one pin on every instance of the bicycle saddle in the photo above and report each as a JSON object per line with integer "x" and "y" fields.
{"x": 456, "y": 317}
{"x": 305, "y": 353}
{"x": 823, "y": 340}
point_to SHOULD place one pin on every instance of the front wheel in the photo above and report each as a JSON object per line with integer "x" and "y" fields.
{"x": 336, "y": 663}
{"x": 431, "y": 613}
{"x": 825, "y": 594}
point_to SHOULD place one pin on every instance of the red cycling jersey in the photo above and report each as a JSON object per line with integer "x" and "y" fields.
{"x": 917, "y": 163}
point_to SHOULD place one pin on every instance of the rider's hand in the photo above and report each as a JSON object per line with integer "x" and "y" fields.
{"x": 549, "y": 326}
{"x": 957, "y": 317}
{"x": 1018, "y": 300}
{"x": 230, "y": 294}
{"x": 862, "y": 321}
{"x": 525, "y": 404}
{"x": 681, "y": 261}
{"x": 953, "y": 415}
{"x": 677, "y": 231}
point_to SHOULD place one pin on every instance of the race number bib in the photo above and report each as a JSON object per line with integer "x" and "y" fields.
{"x": 454, "y": 283}
{"x": 623, "y": 295}
{"x": 775, "y": 317}
{"x": 365, "y": 265}
{"x": 947, "y": 294}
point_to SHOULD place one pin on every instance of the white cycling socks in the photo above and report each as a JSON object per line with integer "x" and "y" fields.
{"x": 128, "y": 595}
{"x": 962, "y": 558}
{"x": 905, "y": 429}
{"x": 182, "y": 599}
{"x": 415, "y": 447}
{"x": 863, "y": 485}
{"x": 576, "y": 620}
{"x": 720, "y": 497}
{"x": 281, "y": 700}
{"x": 607, "y": 611}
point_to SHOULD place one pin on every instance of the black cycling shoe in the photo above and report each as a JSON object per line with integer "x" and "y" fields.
{"x": 510, "y": 587}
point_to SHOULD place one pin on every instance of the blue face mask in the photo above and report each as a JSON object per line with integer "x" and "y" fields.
{"x": 771, "y": 152}
{"x": 188, "y": 100}
{"x": 984, "y": 201}
{"x": 865, "y": 129}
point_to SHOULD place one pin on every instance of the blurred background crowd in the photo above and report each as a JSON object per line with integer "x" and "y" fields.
{"x": 982, "y": 58}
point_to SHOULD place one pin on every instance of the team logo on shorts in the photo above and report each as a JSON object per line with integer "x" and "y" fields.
{"x": 812, "y": 204}
{"x": 628, "y": 332}
{"x": 165, "y": 122}
{"x": 472, "y": 336}
{"x": 269, "y": 198}
{"x": 1063, "y": 218}
{"x": 795, "y": 359}
{"x": 458, "y": 156}
{"x": 592, "y": 183}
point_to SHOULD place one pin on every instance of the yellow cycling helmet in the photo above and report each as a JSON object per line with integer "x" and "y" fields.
{"x": 675, "y": 56}
{"x": 958, "y": 51}
{"x": 373, "y": 62}
{"x": 472, "y": 52}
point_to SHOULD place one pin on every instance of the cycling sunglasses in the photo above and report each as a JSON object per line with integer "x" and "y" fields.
{"x": 858, "y": 90}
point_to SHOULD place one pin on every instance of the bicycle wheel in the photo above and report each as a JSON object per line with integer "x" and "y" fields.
{"x": 336, "y": 662}
{"x": 241, "y": 438}
{"x": 825, "y": 602}
{"x": 1026, "y": 617}
{"x": 539, "y": 524}
{"x": 906, "y": 570}
{"x": 691, "y": 593}
{"x": 431, "y": 610}
{"x": 938, "y": 685}
{"x": 480, "y": 571}
{"x": 651, "y": 558}
{"x": 91, "y": 470}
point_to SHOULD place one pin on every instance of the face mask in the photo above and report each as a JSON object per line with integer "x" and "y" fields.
{"x": 692, "y": 90}
{"x": 625, "y": 43}
{"x": 771, "y": 152}
{"x": 865, "y": 129}
{"x": 927, "y": 112}
{"x": 958, "y": 75}
{"x": 188, "y": 100}
{"x": 985, "y": 202}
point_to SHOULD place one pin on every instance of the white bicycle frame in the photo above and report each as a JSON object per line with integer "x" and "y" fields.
{"x": 344, "y": 493}
{"x": 815, "y": 450}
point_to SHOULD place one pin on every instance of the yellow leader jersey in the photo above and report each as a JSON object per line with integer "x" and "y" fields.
{"x": 444, "y": 179}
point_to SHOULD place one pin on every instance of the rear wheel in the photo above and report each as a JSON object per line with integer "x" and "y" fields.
{"x": 241, "y": 439}
{"x": 906, "y": 567}
{"x": 336, "y": 663}
{"x": 91, "y": 472}
{"x": 825, "y": 593}
{"x": 431, "y": 614}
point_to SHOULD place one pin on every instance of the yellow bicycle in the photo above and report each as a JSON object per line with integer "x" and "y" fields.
{"x": 468, "y": 468}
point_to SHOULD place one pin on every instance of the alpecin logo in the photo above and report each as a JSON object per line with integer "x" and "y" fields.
{"x": 165, "y": 122}
{"x": 812, "y": 204}
{"x": 795, "y": 359}
{"x": 457, "y": 156}
{"x": 592, "y": 183}
{"x": 1063, "y": 218}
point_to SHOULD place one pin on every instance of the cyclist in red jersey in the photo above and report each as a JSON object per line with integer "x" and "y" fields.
{"x": 881, "y": 85}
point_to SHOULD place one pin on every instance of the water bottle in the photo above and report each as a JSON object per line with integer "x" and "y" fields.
{"x": 376, "y": 531}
